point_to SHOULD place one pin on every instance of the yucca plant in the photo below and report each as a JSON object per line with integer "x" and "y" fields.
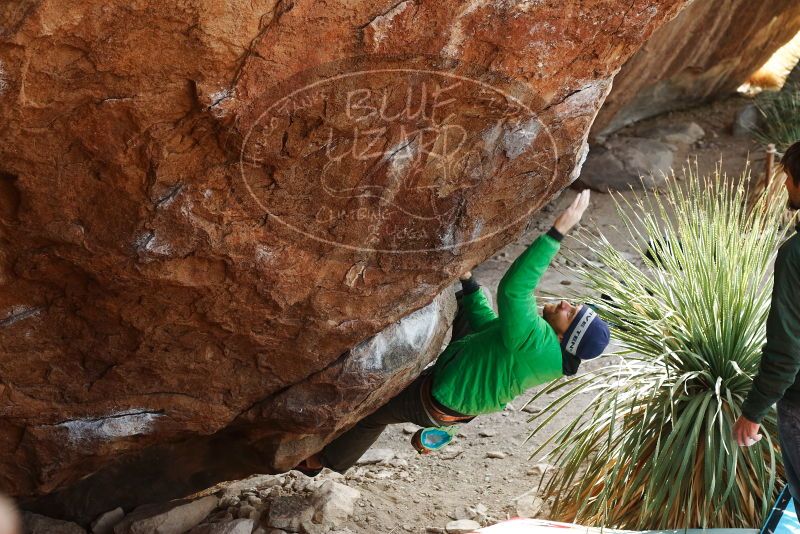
{"x": 654, "y": 448}
{"x": 780, "y": 117}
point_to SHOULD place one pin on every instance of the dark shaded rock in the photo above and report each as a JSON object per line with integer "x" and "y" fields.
{"x": 38, "y": 524}
{"x": 290, "y": 512}
{"x": 793, "y": 79}
{"x": 746, "y": 120}
{"x": 706, "y": 52}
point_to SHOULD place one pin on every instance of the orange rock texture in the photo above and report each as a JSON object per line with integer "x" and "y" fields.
{"x": 213, "y": 215}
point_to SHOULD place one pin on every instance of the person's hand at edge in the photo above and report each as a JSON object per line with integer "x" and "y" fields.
{"x": 745, "y": 432}
{"x": 9, "y": 517}
{"x": 466, "y": 276}
{"x": 572, "y": 215}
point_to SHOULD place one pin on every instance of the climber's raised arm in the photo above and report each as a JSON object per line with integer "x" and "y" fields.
{"x": 516, "y": 302}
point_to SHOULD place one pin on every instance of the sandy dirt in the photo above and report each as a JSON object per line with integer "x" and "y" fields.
{"x": 416, "y": 493}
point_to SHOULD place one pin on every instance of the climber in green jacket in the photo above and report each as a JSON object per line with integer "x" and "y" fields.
{"x": 497, "y": 358}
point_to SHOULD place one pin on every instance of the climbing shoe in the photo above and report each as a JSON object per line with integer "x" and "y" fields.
{"x": 427, "y": 440}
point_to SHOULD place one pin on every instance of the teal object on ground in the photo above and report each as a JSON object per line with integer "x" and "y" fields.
{"x": 434, "y": 438}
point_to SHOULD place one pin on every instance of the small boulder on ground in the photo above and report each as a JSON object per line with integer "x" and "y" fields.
{"x": 237, "y": 526}
{"x": 174, "y": 517}
{"x": 334, "y": 503}
{"x": 541, "y": 469}
{"x": 39, "y": 524}
{"x": 289, "y": 512}
{"x": 248, "y": 511}
{"x": 627, "y": 162}
{"x": 463, "y": 512}
{"x": 255, "y": 482}
{"x": 746, "y": 120}
{"x": 530, "y": 408}
{"x": 462, "y": 526}
{"x": 302, "y": 482}
{"x": 529, "y": 504}
{"x": 676, "y": 134}
{"x": 309, "y": 527}
{"x": 106, "y": 522}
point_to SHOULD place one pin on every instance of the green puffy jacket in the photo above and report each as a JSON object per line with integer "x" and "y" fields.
{"x": 505, "y": 354}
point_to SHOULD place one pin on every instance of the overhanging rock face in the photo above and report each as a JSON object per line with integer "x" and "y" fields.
{"x": 271, "y": 436}
{"x": 707, "y": 51}
{"x": 205, "y": 206}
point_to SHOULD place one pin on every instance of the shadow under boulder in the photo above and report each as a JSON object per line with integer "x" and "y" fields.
{"x": 290, "y": 425}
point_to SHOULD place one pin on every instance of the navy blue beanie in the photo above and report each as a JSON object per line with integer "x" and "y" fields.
{"x": 588, "y": 335}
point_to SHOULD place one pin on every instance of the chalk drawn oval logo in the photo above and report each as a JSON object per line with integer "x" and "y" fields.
{"x": 398, "y": 158}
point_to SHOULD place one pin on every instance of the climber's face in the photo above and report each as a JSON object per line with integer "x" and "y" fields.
{"x": 560, "y": 316}
{"x": 793, "y": 191}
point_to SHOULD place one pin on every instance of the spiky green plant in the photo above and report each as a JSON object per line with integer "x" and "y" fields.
{"x": 654, "y": 448}
{"x": 780, "y": 117}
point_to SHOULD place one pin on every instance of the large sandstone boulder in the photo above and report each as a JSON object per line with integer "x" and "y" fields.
{"x": 205, "y": 205}
{"x": 707, "y": 51}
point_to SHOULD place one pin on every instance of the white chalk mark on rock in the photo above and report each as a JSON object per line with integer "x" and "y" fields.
{"x": 457, "y": 36}
{"x": 448, "y": 238}
{"x": 217, "y": 99}
{"x": 519, "y": 137}
{"x": 583, "y": 151}
{"x": 400, "y": 342}
{"x": 150, "y": 243}
{"x": 418, "y": 328}
{"x": 264, "y": 254}
{"x": 382, "y": 24}
{"x": 587, "y": 99}
{"x": 490, "y": 136}
{"x": 476, "y": 230}
{"x": 3, "y": 79}
{"x": 169, "y": 197}
{"x": 18, "y": 313}
{"x": 354, "y": 273}
{"x": 401, "y": 156}
{"x": 114, "y": 426}
{"x": 186, "y": 208}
